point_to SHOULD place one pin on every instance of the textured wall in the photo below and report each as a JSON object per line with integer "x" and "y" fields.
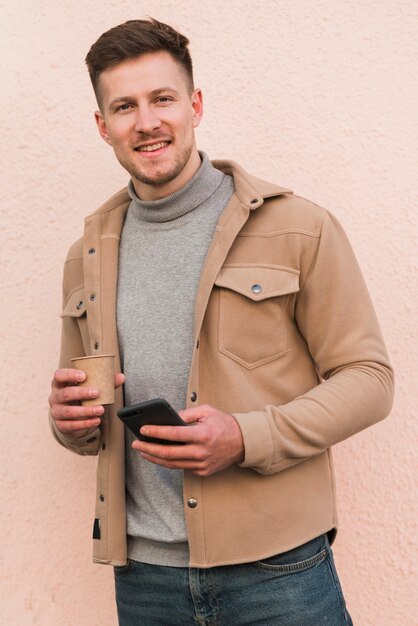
{"x": 318, "y": 96}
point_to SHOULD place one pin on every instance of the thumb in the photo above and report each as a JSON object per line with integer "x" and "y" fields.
{"x": 186, "y": 417}
{"x": 119, "y": 380}
{"x": 192, "y": 414}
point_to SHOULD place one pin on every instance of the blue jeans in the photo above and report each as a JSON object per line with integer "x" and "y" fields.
{"x": 295, "y": 588}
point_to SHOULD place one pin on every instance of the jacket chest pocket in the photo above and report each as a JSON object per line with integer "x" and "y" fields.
{"x": 253, "y": 304}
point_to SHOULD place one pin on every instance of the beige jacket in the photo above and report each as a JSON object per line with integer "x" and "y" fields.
{"x": 285, "y": 338}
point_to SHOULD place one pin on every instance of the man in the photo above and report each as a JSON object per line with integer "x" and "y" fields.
{"x": 242, "y": 302}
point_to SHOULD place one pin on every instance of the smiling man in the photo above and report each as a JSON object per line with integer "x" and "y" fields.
{"x": 242, "y": 305}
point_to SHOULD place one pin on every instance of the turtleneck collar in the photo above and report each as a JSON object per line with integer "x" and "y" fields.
{"x": 199, "y": 188}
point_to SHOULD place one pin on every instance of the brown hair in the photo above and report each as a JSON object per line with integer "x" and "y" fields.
{"x": 130, "y": 40}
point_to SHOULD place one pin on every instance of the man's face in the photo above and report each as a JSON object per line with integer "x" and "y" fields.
{"x": 148, "y": 116}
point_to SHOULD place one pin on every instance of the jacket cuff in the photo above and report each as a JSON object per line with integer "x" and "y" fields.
{"x": 258, "y": 443}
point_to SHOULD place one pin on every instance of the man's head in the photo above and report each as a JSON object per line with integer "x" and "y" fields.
{"x": 132, "y": 39}
{"x": 142, "y": 76}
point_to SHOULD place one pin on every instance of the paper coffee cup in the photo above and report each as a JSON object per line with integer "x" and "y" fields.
{"x": 100, "y": 373}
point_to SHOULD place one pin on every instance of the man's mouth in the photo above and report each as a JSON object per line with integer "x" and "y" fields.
{"x": 152, "y": 147}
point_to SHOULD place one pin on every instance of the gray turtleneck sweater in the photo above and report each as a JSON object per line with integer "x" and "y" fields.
{"x": 163, "y": 247}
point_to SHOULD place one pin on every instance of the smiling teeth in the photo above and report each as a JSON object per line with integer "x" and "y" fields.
{"x": 154, "y": 146}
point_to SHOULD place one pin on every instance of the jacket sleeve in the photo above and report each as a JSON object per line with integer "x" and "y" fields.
{"x": 72, "y": 346}
{"x": 335, "y": 315}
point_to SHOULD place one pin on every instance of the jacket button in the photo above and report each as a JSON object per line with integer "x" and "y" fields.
{"x": 254, "y": 201}
{"x": 93, "y": 297}
{"x": 192, "y": 503}
{"x": 79, "y": 305}
{"x": 101, "y": 498}
{"x": 256, "y": 289}
{"x": 92, "y": 250}
{"x": 96, "y": 346}
{"x": 193, "y": 396}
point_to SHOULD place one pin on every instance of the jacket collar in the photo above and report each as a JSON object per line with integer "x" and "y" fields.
{"x": 250, "y": 190}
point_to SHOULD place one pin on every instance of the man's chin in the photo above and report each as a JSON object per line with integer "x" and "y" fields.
{"x": 154, "y": 180}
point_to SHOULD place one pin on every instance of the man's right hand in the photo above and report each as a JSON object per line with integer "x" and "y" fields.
{"x": 69, "y": 416}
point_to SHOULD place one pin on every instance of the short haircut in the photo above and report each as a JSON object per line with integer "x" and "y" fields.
{"x": 132, "y": 39}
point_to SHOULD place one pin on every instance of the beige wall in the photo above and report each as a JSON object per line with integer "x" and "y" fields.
{"x": 319, "y": 96}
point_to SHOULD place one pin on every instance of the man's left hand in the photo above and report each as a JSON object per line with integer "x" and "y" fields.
{"x": 213, "y": 441}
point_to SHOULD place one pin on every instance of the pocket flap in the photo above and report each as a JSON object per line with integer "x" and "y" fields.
{"x": 76, "y": 304}
{"x": 259, "y": 282}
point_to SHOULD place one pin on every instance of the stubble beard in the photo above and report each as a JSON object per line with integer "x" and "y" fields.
{"x": 160, "y": 177}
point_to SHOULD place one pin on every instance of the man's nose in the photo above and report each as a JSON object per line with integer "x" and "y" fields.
{"x": 146, "y": 120}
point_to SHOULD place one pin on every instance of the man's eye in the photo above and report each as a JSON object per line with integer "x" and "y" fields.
{"x": 164, "y": 99}
{"x": 123, "y": 107}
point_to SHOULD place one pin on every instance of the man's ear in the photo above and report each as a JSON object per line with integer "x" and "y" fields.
{"x": 197, "y": 104}
{"x": 101, "y": 126}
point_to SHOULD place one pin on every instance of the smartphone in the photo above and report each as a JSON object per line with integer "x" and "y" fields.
{"x": 156, "y": 411}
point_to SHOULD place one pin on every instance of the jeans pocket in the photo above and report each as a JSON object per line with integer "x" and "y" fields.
{"x": 298, "y": 559}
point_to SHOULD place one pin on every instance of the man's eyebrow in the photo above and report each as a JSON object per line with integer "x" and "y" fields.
{"x": 120, "y": 99}
{"x": 157, "y": 92}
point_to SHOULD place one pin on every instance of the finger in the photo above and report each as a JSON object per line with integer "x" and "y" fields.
{"x": 196, "y": 412}
{"x": 187, "y": 434}
{"x": 71, "y": 427}
{"x": 119, "y": 380}
{"x": 74, "y": 394}
{"x": 188, "y": 418}
{"x": 76, "y": 411}
{"x": 67, "y": 376}
{"x": 188, "y": 464}
{"x": 172, "y": 452}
